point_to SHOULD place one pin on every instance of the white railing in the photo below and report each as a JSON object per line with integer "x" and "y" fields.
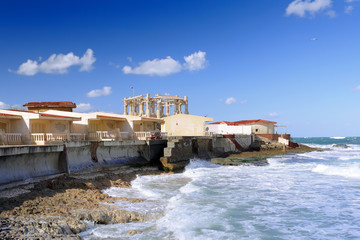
{"x": 56, "y": 137}
{"x": 77, "y": 136}
{"x": 142, "y": 135}
{"x": 209, "y": 134}
{"x": 42, "y": 138}
{"x": 102, "y": 135}
{"x": 13, "y": 138}
{"x": 38, "y": 137}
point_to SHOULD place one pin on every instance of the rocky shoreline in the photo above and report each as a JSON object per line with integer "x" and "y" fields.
{"x": 259, "y": 158}
{"x": 67, "y": 205}
{"x": 63, "y": 207}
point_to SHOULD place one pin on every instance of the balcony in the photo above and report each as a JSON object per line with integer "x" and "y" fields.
{"x": 45, "y": 138}
{"x": 108, "y": 135}
{"x": 10, "y": 138}
{"x": 149, "y": 135}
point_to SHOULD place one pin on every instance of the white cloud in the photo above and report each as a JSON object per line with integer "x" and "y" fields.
{"x": 331, "y": 13}
{"x": 168, "y": 65}
{"x": 99, "y": 92}
{"x": 357, "y": 88}
{"x": 273, "y": 114}
{"x": 301, "y": 7}
{"x": 195, "y": 61}
{"x": 160, "y": 67}
{"x": 83, "y": 107}
{"x": 58, "y": 64}
{"x": 348, "y": 9}
{"x": 230, "y": 100}
{"x": 4, "y": 105}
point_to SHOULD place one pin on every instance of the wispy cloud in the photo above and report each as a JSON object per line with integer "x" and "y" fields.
{"x": 301, "y": 7}
{"x": 356, "y": 89}
{"x": 348, "y": 9}
{"x": 243, "y": 101}
{"x": 83, "y": 107}
{"x": 230, "y": 100}
{"x": 273, "y": 114}
{"x": 4, "y": 105}
{"x": 57, "y": 64}
{"x": 331, "y": 13}
{"x": 168, "y": 65}
{"x": 99, "y": 92}
{"x": 114, "y": 65}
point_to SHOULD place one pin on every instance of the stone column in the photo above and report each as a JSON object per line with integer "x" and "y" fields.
{"x": 158, "y": 108}
{"x": 141, "y": 109}
{"x": 125, "y": 108}
{"x": 167, "y": 108}
{"x": 147, "y": 105}
{"x": 152, "y": 108}
{"x": 177, "y": 107}
{"x": 186, "y": 105}
{"x": 131, "y": 109}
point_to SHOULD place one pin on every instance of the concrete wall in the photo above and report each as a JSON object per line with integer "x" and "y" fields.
{"x": 26, "y": 162}
{"x": 225, "y": 129}
{"x": 21, "y": 163}
{"x": 262, "y": 128}
{"x": 185, "y": 125}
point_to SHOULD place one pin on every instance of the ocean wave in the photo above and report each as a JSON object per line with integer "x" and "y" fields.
{"x": 347, "y": 171}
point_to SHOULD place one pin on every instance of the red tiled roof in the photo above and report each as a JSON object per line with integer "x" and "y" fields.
{"x": 59, "y": 116}
{"x": 227, "y": 123}
{"x": 244, "y": 122}
{"x": 50, "y": 104}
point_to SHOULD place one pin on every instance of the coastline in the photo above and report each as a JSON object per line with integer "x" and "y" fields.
{"x": 64, "y": 206}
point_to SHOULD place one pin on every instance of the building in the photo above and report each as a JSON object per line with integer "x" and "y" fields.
{"x": 260, "y": 127}
{"x": 185, "y": 125}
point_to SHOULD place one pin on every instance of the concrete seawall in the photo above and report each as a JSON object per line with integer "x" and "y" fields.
{"x": 19, "y": 163}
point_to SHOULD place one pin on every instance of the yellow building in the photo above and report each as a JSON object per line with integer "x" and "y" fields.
{"x": 185, "y": 125}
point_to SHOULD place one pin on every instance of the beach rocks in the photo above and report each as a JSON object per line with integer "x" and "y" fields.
{"x": 341, "y": 146}
{"x": 236, "y": 161}
{"x": 61, "y": 208}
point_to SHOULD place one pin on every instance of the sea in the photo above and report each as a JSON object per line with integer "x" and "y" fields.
{"x": 314, "y": 195}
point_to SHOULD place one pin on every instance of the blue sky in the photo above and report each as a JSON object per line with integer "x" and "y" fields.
{"x": 293, "y": 62}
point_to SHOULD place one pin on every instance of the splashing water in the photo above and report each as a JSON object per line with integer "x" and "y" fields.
{"x": 312, "y": 195}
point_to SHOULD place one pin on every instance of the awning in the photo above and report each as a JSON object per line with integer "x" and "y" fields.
{"x": 104, "y": 117}
{"x": 9, "y": 116}
{"x": 58, "y": 117}
{"x": 146, "y": 119}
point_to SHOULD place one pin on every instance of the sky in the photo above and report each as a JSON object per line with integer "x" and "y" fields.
{"x": 296, "y": 62}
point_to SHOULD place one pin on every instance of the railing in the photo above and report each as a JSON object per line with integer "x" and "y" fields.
{"x": 142, "y": 135}
{"x": 38, "y": 137}
{"x": 209, "y": 134}
{"x": 56, "y": 137}
{"x": 102, "y": 135}
{"x": 77, "y": 136}
{"x": 150, "y": 135}
{"x": 42, "y": 138}
{"x": 13, "y": 138}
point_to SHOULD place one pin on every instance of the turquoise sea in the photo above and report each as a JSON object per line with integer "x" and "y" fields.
{"x": 312, "y": 195}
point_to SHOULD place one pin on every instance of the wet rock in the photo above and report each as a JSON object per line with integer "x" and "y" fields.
{"x": 341, "y": 146}
{"x": 236, "y": 161}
